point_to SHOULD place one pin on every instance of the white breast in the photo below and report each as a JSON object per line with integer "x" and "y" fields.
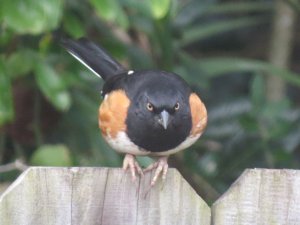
{"x": 121, "y": 143}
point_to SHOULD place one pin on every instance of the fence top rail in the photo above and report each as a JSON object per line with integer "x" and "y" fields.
{"x": 260, "y": 196}
{"x": 92, "y": 195}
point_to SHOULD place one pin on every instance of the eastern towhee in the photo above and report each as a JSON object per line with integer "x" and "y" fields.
{"x": 146, "y": 113}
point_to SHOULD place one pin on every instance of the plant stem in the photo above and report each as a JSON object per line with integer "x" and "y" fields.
{"x": 280, "y": 49}
{"x": 163, "y": 32}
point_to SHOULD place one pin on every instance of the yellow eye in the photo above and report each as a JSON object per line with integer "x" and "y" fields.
{"x": 149, "y": 106}
{"x": 176, "y": 107}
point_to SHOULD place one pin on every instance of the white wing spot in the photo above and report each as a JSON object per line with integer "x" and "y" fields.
{"x": 130, "y": 72}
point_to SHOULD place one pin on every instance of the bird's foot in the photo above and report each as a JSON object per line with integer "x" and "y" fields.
{"x": 160, "y": 166}
{"x": 131, "y": 163}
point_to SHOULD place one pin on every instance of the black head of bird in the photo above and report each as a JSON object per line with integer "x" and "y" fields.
{"x": 149, "y": 112}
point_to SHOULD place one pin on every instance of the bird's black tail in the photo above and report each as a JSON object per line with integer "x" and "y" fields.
{"x": 93, "y": 57}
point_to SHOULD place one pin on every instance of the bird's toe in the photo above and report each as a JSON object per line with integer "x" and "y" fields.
{"x": 131, "y": 163}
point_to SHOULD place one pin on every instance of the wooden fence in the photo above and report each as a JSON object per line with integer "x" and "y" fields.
{"x": 88, "y": 196}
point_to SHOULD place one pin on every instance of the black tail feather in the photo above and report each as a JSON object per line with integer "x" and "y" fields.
{"x": 93, "y": 57}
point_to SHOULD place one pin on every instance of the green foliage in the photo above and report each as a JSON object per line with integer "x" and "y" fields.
{"x": 219, "y": 47}
{"x": 6, "y": 104}
{"x": 52, "y": 86}
{"x": 197, "y": 32}
{"x": 257, "y": 92}
{"x": 159, "y": 8}
{"x": 20, "y": 63}
{"x": 31, "y": 17}
{"x": 295, "y": 4}
{"x": 73, "y": 26}
{"x": 51, "y": 155}
{"x": 213, "y": 67}
{"x": 111, "y": 11}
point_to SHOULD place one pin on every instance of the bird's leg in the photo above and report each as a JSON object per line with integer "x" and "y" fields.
{"x": 160, "y": 166}
{"x": 131, "y": 163}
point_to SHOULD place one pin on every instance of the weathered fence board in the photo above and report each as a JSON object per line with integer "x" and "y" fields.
{"x": 262, "y": 197}
{"x": 105, "y": 196}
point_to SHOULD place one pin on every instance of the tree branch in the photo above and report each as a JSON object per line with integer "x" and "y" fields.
{"x": 16, "y": 165}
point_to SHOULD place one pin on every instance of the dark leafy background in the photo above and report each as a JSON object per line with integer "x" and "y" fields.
{"x": 49, "y": 102}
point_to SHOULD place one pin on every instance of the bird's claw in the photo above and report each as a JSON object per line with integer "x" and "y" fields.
{"x": 131, "y": 163}
{"x": 160, "y": 166}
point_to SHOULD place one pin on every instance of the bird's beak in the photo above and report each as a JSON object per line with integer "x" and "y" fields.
{"x": 164, "y": 119}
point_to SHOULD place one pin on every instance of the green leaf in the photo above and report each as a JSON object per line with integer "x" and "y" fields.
{"x": 30, "y": 16}
{"x": 111, "y": 11}
{"x": 159, "y": 8}
{"x": 52, "y": 86}
{"x": 51, "y": 155}
{"x": 73, "y": 25}
{"x": 1, "y": 13}
{"x": 249, "y": 123}
{"x": 138, "y": 7}
{"x": 275, "y": 124}
{"x": 227, "y": 65}
{"x": 44, "y": 43}
{"x": 272, "y": 111}
{"x": 6, "y": 100}
{"x": 200, "y": 32}
{"x": 20, "y": 63}
{"x": 6, "y": 36}
{"x": 240, "y": 7}
{"x": 258, "y": 92}
{"x": 196, "y": 9}
{"x": 190, "y": 11}
{"x": 213, "y": 67}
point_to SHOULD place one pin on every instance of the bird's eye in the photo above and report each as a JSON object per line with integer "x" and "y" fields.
{"x": 176, "y": 107}
{"x": 149, "y": 106}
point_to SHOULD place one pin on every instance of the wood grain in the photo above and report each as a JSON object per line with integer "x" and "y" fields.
{"x": 92, "y": 196}
{"x": 262, "y": 197}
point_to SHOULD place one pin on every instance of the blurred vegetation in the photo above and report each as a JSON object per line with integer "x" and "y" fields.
{"x": 49, "y": 102}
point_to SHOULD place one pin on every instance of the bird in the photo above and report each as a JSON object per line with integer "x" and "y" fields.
{"x": 144, "y": 112}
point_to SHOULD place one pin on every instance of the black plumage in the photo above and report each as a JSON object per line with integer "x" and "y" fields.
{"x": 148, "y": 112}
{"x": 163, "y": 90}
{"x": 93, "y": 56}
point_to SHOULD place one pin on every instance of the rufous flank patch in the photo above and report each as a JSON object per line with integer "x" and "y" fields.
{"x": 199, "y": 114}
{"x": 113, "y": 113}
